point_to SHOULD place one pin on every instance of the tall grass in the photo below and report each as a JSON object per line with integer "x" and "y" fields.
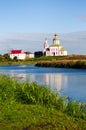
{"x": 63, "y": 64}
{"x": 12, "y": 91}
{"x": 23, "y": 92}
{"x": 68, "y": 57}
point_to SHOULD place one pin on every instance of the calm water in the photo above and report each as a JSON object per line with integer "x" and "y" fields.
{"x": 68, "y": 82}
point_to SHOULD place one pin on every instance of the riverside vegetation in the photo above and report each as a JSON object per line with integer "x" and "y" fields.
{"x": 29, "y": 106}
{"x": 25, "y": 106}
{"x": 70, "y": 61}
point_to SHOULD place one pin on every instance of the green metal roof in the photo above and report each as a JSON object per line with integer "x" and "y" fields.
{"x": 55, "y": 38}
{"x": 62, "y": 49}
{"x": 54, "y": 45}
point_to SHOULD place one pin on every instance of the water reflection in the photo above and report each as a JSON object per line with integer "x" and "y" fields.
{"x": 68, "y": 82}
{"x": 18, "y": 76}
{"x": 54, "y": 81}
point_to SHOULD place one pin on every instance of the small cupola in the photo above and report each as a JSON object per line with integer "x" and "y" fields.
{"x": 55, "y": 39}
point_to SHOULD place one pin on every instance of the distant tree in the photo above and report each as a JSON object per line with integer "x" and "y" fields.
{"x": 6, "y": 56}
{"x": 1, "y": 58}
{"x": 38, "y": 54}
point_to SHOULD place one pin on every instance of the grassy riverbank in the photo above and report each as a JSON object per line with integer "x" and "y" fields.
{"x": 49, "y": 61}
{"x": 19, "y": 62}
{"x": 26, "y": 106}
{"x": 71, "y": 61}
{"x": 78, "y": 64}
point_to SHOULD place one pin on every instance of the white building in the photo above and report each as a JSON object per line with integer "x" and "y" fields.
{"x": 29, "y": 55}
{"x": 55, "y": 49}
{"x": 19, "y": 54}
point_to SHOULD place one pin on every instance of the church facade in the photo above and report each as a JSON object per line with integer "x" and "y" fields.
{"x": 55, "y": 49}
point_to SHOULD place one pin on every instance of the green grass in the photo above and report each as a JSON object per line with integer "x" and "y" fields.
{"x": 7, "y": 61}
{"x": 78, "y": 64}
{"x": 68, "y": 57}
{"x": 31, "y": 106}
{"x": 70, "y": 61}
{"x": 34, "y": 117}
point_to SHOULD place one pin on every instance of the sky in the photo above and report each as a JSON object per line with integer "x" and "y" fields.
{"x": 24, "y": 24}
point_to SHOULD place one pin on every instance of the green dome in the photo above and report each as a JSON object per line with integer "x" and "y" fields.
{"x": 62, "y": 49}
{"x": 55, "y": 38}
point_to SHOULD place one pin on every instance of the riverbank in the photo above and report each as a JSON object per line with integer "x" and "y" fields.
{"x": 71, "y": 61}
{"x": 32, "y": 106}
{"x": 77, "y": 64}
{"x": 20, "y": 62}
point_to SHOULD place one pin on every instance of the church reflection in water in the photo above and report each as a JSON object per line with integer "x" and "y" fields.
{"x": 54, "y": 81}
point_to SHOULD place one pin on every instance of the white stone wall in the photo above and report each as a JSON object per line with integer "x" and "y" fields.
{"x": 19, "y": 56}
{"x": 31, "y": 55}
{"x": 65, "y": 53}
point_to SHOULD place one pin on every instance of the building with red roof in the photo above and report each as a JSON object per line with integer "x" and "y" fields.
{"x": 19, "y": 54}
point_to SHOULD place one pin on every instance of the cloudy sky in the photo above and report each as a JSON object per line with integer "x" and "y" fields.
{"x": 24, "y": 24}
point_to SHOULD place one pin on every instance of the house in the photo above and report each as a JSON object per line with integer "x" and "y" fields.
{"x": 18, "y": 54}
{"x": 55, "y": 49}
{"x": 29, "y": 55}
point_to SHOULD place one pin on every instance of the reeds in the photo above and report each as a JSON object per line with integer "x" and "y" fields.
{"x": 78, "y": 64}
{"x": 12, "y": 91}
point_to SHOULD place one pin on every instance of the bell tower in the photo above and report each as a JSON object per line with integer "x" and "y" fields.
{"x": 46, "y": 44}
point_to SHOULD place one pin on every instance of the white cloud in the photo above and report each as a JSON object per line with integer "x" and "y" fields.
{"x": 75, "y": 42}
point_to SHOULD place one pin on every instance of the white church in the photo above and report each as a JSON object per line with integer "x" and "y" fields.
{"x": 55, "y": 49}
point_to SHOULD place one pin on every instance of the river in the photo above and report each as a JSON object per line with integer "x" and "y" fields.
{"x": 68, "y": 82}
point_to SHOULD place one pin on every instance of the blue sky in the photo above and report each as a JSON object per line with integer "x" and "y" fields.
{"x": 31, "y": 18}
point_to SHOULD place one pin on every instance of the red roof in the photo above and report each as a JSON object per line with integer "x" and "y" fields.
{"x": 16, "y": 51}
